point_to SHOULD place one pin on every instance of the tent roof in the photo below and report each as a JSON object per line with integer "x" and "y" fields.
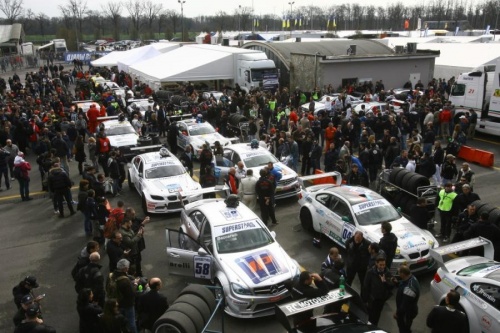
{"x": 125, "y": 62}
{"x": 10, "y": 32}
{"x": 186, "y": 64}
{"x": 112, "y": 58}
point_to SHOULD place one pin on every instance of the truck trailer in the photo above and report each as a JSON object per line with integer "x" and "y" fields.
{"x": 480, "y": 90}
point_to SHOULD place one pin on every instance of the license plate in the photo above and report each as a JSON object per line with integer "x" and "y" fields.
{"x": 421, "y": 260}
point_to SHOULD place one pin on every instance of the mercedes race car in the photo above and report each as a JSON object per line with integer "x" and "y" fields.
{"x": 162, "y": 182}
{"x": 477, "y": 280}
{"x": 228, "y": 244}
{"x": 337, "y": 211}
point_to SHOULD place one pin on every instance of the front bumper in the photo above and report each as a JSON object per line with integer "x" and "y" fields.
{"x": 419, "y": 265}
{"x": 252, "y": 306}
{"x": 169, "y": 204}
{"x": 286, "y": 190}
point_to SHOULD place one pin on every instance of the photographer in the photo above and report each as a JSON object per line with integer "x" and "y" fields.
{"x": 132, "y": 230}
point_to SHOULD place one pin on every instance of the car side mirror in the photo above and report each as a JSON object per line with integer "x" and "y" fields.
{"x": 273, "y": 234}
{"x": 140, "y": 174}
{"x": 346, "y": 219}
{"x": 202, "y": 252}
{"x": 399, "y": 210}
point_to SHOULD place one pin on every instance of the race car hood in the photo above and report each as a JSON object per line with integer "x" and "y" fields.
{"x": 410, "y": 238}
{"x": 285, "y": 171}
{"x": 210, "y": 138}
{"x": 258, "y": 267}
{"x": 170, "y": 185}
{"x": 123, "y": 140}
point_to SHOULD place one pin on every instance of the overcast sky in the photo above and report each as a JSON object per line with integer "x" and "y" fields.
{"x": 193, "y": 8}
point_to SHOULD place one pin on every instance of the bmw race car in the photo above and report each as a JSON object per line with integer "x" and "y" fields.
{"x": 160, "y": 179}
{"x": 194, "y": 134}
{"x": 228, "y": 244}
{"x": 141, "y": 104}
{"x": 475, "y": 278}
{"x": 339, "y": 210}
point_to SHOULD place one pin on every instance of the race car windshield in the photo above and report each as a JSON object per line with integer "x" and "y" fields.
{"x": 482, "y": 269}
{"x": 201, "y": 130}
{"x": 259, "y": 160}
{"x": 243, "y": 240}
{"x": 375, "y": 212}
{"x": 165, "y": 171}
{"x": 119, "y": 130}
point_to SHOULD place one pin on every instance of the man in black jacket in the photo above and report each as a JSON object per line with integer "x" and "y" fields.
{"x": 24, "y": 288}
{"x": 376, "y": 289}
{"x": 32, "y": 323}
{"x": 91, "y": 277}
{"x": 304, "y": 289}
{"x": 357, "y": 257}
{"x": 388, "y": 243}
{"x": 125, "y": 290}
{"x": 264, "y": 188}
{"x": 151, "y": 305}
{"x": 60, "y": 184}
{"x": 187, "y": 160}
{"x": 115, "y": 250}
{"x": 447, "y": 319}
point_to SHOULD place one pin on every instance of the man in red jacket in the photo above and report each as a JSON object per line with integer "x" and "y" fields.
{"x": 92, "y": 115}
{"x": 444, "y": 119}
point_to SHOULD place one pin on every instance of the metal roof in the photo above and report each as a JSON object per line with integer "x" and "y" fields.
{"x": 10, "y": 32}
{"x": 325, "y": 48}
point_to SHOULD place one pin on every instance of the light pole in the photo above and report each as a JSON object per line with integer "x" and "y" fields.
{"x": 496, "y": 22}
{"x": 182, "y": 2}
{"x": 239, "y": 18}
{"x": 291, "y": 19}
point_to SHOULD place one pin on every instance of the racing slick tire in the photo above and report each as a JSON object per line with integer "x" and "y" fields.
{"x": 495, "y": 217}
{"x": 415, "y": 182}
{"x": 191, "y": 311}
{"x": 398, "y": 179}
{"x": 196, "y": 302}
{"x": 130, "y": 184}
{"x": 394, "y": 173}
{"x": 478, "y": 204}
{"x": 174, "y": 322}
{"x": 306, "y": 220}
{"x": 486, "y": 209}
{"x": 202, "y": 292}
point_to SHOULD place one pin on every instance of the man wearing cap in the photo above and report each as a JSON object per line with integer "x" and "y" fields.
{"x": 446, "y": 208}
{"x": 32, "y": 323}
{"x": 20, "y": 315}
{"x": 24, "y": 288}
{"x": 449, "y": 169}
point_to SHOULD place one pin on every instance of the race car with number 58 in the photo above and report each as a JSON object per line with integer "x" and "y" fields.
{"x": 227, "y": 243}
{"x": 337, "y": 211}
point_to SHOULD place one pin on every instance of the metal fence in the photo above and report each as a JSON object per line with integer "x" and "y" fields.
{"x": 18, "y": 62}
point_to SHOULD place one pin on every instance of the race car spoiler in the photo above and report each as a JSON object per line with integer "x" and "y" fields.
{"x": 285, "y": 312}
{"x": 206, "y": 190}
{"x": 107, "y": 118}
{"x": 333, "y": 177}
{"x": 441, "y": 252}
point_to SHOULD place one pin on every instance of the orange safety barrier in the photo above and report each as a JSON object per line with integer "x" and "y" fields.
{"x": 324, "y": 180}
{"x": 467, "y": 153}
{"x": 484, "y": 158}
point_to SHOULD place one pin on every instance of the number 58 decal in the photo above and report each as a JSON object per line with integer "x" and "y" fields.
{"x": 203, "y": 267}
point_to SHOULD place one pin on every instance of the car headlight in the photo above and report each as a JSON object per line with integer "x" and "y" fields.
{"x": 156, "y": 197}
{"x": 239, "y": 289}
{"x": 398, "y": 254}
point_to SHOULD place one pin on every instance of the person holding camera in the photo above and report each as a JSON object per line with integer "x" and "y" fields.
{"x": 132, "y": 230}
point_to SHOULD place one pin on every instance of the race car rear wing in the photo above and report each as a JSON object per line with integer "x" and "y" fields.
{"x": 107, "y": 118}
{"x": 440, "y": 253}
{"x": 224, "y": 189}
{"x": 333, "y": 177}
{"x": 285, "y": 312}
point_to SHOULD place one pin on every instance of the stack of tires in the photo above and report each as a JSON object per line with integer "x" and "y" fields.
{"x": 233, "y": 122}
{"x": 189, "y": 313}
{"x": 408, "y": 181}
{"x": 483, "y": 207}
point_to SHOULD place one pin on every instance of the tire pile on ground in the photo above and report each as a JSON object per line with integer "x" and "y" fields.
{"x": 483, "y": 207}
{"x": 408, "y": 181}
{"x": 189, "y": 313}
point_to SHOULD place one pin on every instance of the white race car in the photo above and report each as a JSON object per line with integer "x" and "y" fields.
{"x": 256, "y": 159}
{"x": 320, "y": 104}
{"x": 141, "y": 104}
{"x": 229, "y": 245}
{"x": 160, "y": 178}
{"x": 339, "y": 210}
{"x": 121, "y": 135}
{"x": 475, "y": 278}
{"x": 194, "y": 134}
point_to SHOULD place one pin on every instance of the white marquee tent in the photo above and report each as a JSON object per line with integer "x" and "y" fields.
{"x": 112, "y": 58}
{"x": 125, "y": 63}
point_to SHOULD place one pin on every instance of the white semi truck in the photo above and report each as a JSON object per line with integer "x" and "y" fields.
{"x": 480, "y": 90}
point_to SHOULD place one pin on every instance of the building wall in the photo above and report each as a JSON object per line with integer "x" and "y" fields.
{"x": 394, "y": 72}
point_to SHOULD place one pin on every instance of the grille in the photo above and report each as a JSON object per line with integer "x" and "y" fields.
{"x": 270, "y": 306}
{"x": 175, "y": 205}
{"x": 416, "y": 255}
{"x": 287, "y": 181}
{"x": 270, "y": 290}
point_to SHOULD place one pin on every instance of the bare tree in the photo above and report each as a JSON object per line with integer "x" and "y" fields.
{"x": 136, "y": 10}
{"x": 113, "y": 11}
{"x": 220, "y": 20}
{"x": 151, "y": 13}
{"x": 77, "y": 10}
{"x": 27, "y": 20}
{"x": 42, "y": 21}
{"x": 95, "y": 18}
{"x": 12, "y": 9}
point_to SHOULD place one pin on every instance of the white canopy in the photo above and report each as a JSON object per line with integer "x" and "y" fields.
{"x": 112, "y": 58}
{"x": 151, "y": 52}
{"x": 188, "y": 63}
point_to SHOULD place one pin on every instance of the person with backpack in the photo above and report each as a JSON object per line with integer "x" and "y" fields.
{"x": 91, "y": 277}
{"x": 205, "y": 158}
{"x": 83, "y": 259}
{"x": 88, "y": 311}
{"x": 114, "y": 221}
{"x": 119, "y": 285}
{"x": 21, "y": 173}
